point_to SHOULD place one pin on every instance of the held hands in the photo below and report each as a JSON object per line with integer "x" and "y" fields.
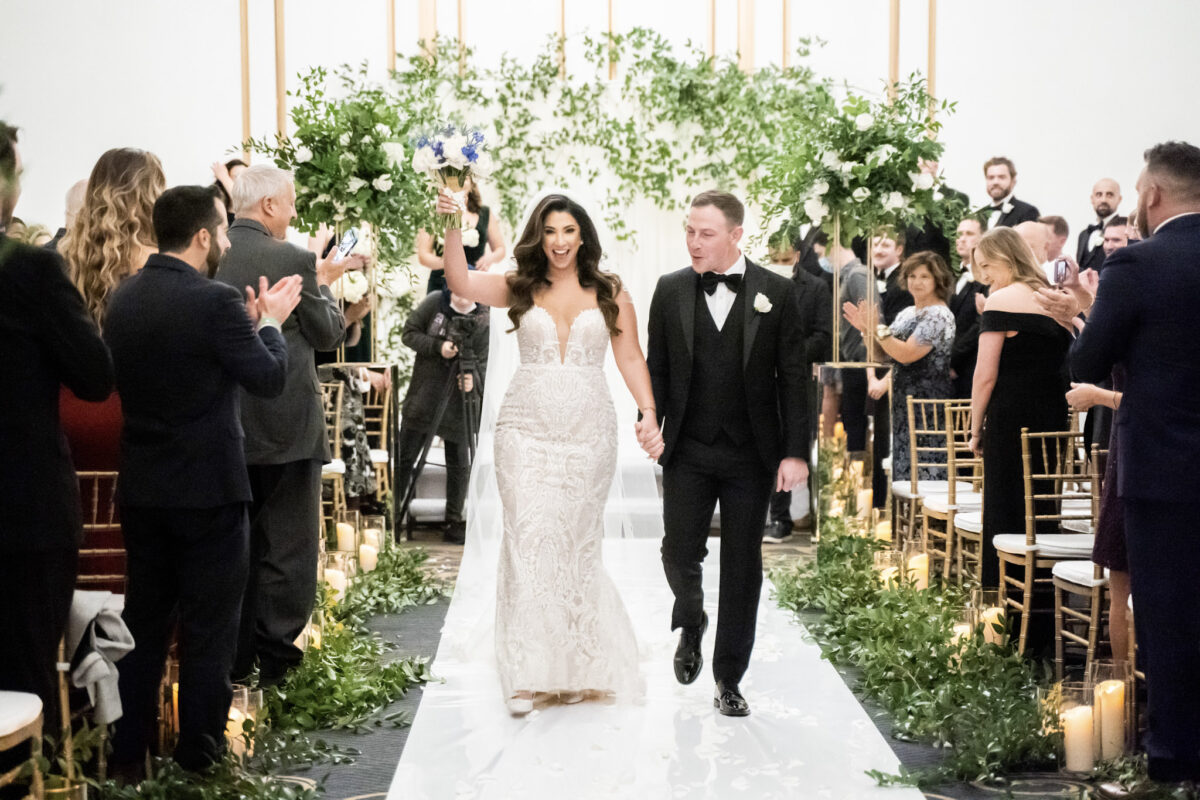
{"x": 792, "y": 472}
{"x": 276, "y": 302}
{"x": 649, "y": 436}
{"x": 877, "y": 388}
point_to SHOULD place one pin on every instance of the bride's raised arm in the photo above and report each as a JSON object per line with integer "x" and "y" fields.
{"x": 491, "y": 289}
{"x": 627, "y": 353}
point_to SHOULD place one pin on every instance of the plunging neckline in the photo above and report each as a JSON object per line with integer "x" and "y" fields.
{"x": 564, "y": 344}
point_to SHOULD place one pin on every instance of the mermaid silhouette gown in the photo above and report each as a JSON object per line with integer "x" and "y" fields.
{"x": 560, "y": 624}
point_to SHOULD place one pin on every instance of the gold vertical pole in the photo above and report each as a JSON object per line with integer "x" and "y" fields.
{"x": 893, "y": 49}
{"x": 391, "y": 35}
{"x": 612, "y": 65}
{"x": 787, "y": 35}
{"x": 745, "y": 32}
{"x": 462, "y": 47}
{"x": 280, "y": 72}
{"x": 931, "y": 64}
{"x": 562, "y": 39}
{"x": 427, "y": 24}
{"x": 712, "y": 28}
{"x": 836, "y": 257}
{"x": 245, "y": 48}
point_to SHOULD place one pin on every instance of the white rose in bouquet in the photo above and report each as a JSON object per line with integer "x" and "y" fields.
{"x": 864, "y": 122}
{"x": 351, "y": 287}
{"x": 395, "y": 153}
{"x": 815, "y": 210}
{"x": 922, "y": 181}
{"x": 303, "y": 154}
{"x": 452, "y": 151}
{"x": 861, "y": 193}
{"x": 894, "y": 202}
{"x": 425, "y": 160}
{"x": 354, "y": 184}
{"x": 383, "y": 183}
{"x": 470, "y": 237}
{"x": 483, "y": 166}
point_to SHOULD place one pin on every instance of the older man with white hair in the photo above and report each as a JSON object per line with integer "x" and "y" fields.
{"x": 286, "y": 442}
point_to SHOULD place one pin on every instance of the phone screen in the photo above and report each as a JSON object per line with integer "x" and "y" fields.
{"x": 347, "y": 244}
{"x": 1062, "y": 270}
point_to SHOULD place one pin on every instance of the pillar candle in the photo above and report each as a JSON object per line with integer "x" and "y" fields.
{"x": 992, "y": 616}
{"x": 918, "y": 571}
{"x": 367, "y": 556}
{"x": 345, "y": 536}
{"x": 884, "y": 530}
{"x": 864, "y": 502}
{"x": 175, "y": 705}
{"x": 961, "y": 631}
{"x": 839, "y": 431}
{"x": 1110, "y": 718}
{"x": 233, "y": 732}
{"x": 888, "y": 576}
{"x": 372, "y": 536}
{"x": 1077, "y": 738}
{"x": 336, "y": 579}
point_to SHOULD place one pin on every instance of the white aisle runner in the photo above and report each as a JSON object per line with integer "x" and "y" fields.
{"x": 807, "y": 737}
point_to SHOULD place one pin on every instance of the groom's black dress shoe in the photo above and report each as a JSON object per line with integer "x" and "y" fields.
{"x": 729, "y": 701}
{"x": 688, "y": 660}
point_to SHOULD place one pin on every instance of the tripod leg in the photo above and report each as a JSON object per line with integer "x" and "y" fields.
{"x": 410, "y": 491}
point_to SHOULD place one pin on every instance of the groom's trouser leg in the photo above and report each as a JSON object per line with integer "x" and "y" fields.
{"x": 745, "y": 493}
{"x": 690, "y": 489}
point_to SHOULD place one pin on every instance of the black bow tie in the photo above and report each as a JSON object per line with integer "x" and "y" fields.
{"x": 999, "y": 208}
{"x": 709, "y": 281}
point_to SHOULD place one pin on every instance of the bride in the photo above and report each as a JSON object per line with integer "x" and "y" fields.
{"x": 560, "y": 624}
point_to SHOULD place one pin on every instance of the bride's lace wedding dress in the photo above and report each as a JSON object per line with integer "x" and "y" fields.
{"x": 560, "y": 624}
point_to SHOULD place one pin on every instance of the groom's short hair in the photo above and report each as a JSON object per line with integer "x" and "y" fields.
{"x": 730, "y": 206}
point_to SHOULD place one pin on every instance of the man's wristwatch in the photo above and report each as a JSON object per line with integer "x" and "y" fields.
{"x": 882, "y": 332}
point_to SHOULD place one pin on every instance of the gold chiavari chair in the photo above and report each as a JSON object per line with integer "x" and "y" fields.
{"x": 102, "y": 554}
{"x": 21, "y": 721}
{"x": 1083, "y": 579}
{"x": 926, "y": 448}
{"x": 1054, "y": 476}
{"x": 939, "y": 509}
{"x": 334, "y": 472}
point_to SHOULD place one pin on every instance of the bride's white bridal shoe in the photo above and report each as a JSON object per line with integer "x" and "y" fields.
{"x": 520, "y": 704}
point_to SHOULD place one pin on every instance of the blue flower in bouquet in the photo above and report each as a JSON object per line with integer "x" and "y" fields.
{"x": 449, "y": 156}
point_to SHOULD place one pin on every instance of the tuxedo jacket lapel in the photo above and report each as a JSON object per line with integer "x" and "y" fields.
{"x": 687, "y": 312}
{"x": 750, "y": 286}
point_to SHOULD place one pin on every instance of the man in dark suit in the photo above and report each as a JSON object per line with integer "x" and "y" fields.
{"x": 1004, "y": 210}
{"x": 286, "y": 442}
{"x": 1144, "y": 319}
{"x": 182, "y": 344}
{"x": 46, "y": 339}
{"x": 965, "y": 308}
{"x": 726, "y": 359}
{"x": 1106, "y": 199}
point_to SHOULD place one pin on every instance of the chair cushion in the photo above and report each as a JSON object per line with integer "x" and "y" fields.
{"x": 1077, "y": 526}
{"x": 1011, "y": 543}
{"x": 903, "y": 489}
{"x": 1080, "y": 573}
{"x": 335, "y": 467}
{"x": 18, "y": 709}
{"x": 428, "y": 508}
{"x": 1049, "y": 545}
{"x": 970, "y": 521}
{"x": 379, "y": 456}
{"x": 940, "y": 502}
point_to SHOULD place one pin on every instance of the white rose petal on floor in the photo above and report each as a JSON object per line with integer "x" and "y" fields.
{"x": 806, "y": 736}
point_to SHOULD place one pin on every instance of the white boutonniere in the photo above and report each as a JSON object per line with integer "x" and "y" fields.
{"x": 470, "y": 237}
{"x": 1096, "y": 239}
{"x": 762, "y": 304}
{"x": 1007, "y": 208}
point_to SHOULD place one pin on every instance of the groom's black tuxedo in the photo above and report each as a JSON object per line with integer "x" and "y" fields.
{"x": 732, "y": 402}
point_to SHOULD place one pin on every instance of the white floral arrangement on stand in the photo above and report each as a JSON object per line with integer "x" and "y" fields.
{"x": 351, "y": 287}
{"x": 448, "y": 157}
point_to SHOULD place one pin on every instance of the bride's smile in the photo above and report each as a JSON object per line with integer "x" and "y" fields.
{"x": 561, "y": 239}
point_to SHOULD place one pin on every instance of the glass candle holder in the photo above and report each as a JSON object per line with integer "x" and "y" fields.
{"x": 374, "y": 531}
{"x": 346, "y": 531}
{"x": 1112, "y": 699}
{"x": 916, "y": 562}
{"x": 1075, "y": 715}
{"x": 889, "y": 565}
{"x": 989, "y": 612}
{"x": 236, "y": 735}
{"x": 339, "y": 568}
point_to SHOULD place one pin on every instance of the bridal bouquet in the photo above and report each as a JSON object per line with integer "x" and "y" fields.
{"x": 448, "y": 157}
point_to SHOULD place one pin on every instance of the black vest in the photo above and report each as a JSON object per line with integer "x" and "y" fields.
{"x": 716, "y": 396}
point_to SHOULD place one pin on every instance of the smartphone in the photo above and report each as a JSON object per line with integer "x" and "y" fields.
{"x": 1062, "y": 271}
{"x": 346, "y": 245}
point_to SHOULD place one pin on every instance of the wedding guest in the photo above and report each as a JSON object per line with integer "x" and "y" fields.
{"x": 1005, "y": 210}
{"x": 74, "y": 202}
{"x": 182, "y": 344}
{"x": 110, "y": 239}
{"x": 286, "y": 440}
{"x": 929, "y": 235}
{"x": 482, "y": 239}
{"x": 441, "y": 326}
{"x": 224, "y": 174}
{"x": 965, "y": 308}
{"x": 1037, "y": 236}
{"x": 1116, "y": 235}
{"x": 853, "y": 283}
{"x": 888, "y": 248}
{"x": 1142, "y": 320}
{"x": 49, "y": 340}
{"x": 1059, "y": 233}
{"x": 1106, "y": 199}
{"x": 919, "y": 341}
{"x": 1018, "y": 382}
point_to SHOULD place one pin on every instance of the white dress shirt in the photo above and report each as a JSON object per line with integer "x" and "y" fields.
{"x": 720, "y": 302}
{"x": 998, "y": 210}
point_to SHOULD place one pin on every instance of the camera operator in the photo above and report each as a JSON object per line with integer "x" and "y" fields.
{"x": 448, "y": 333}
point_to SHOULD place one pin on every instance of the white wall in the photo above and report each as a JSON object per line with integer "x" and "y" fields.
{"x": 1071, "y": 91}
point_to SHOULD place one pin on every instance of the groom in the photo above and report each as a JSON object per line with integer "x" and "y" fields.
{"x": 726, "y": 358}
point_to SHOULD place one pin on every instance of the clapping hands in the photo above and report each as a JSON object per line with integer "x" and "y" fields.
{"x": 859, "y": 316}
{"x": 275, "y": 302}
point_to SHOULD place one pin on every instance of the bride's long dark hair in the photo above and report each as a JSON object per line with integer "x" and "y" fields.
{"x": 533, "y": 269}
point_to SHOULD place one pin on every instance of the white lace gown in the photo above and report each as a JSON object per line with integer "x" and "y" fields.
{"x": 560, "y": 624}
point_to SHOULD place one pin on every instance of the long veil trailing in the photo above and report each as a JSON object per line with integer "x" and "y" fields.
{"x": 633, "y": 508}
